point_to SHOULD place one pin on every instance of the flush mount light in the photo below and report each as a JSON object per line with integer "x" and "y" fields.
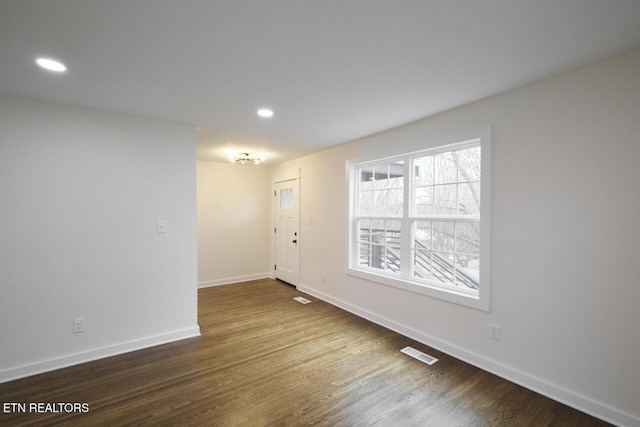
{"x": 265, "y": 112}
{"x": 244, "y": 158}
{"x": 51, "y": 65}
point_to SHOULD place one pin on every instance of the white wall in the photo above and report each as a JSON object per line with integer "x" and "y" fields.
{"x": 565, "y": 233}
{"x": 233, "y": 222}
{"x": 81, "y": 192}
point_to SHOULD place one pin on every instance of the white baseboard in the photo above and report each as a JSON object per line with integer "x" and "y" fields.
{"x": 230, "y": 280}
{"x": 95, "y": 354}
{"x": 552, "y": 391}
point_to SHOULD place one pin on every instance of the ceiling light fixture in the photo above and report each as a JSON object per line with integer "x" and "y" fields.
{"x": 247, "y": 158}
{"x": 51, "y": 65}
{"x": 265, "y": 112}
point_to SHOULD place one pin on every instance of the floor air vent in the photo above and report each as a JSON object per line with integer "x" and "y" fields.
{"x": 416, "y": 354}
{"x": 302, "y": 300}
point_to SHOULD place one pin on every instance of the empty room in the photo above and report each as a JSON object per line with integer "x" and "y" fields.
{"x": 340, "y": 213}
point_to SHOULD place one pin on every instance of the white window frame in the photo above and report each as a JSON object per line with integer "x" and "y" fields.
{"x": 475, "y": 299}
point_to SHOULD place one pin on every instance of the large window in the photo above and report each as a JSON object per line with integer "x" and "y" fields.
{"x": 416, "y": 221}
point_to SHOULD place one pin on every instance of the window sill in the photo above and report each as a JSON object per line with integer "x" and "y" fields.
{"x": 433, "y": 291}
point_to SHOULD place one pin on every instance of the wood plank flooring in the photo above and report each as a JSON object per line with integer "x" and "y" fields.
{"x": 266, "y": 360}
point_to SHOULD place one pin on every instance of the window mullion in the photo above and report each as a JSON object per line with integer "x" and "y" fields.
{"x": 355, "y": 234}
{"x": 406, "y": 234}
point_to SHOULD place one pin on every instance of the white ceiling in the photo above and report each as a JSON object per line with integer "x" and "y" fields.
{"x": 333, "y": 70}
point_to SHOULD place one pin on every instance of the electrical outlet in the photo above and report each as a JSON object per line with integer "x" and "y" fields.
{"x": 79, "y": 325}
{"x": 494, "y": 332}
{"x": 322, "y": 277}
{"x": 161, "y": 226}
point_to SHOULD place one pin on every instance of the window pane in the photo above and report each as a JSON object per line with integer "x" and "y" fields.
{"x": 380, "y": 202}
{"x": 396, "y": 174}
{"x": 392, "y": 260}
{"x": 364, "y": 232}
{"x": 443, "y": 236}
{"x": 286, "y": 198}
{"x": 384, "y": 251}
{"x": 469, "y": 198}
{"x": 445, "y": 168}
{"x": 393, "y": 234}
{"x": 424, "y": 201}
{"x": 377, "y": 257}
{"x": 364, "y": 254}
{"x": 365, "y": 203}
{"x": 445, "y": 199}
{"x": 392, "y": 246}
{"x": 380, "y": 189}
{"x": 422, "y": 264}
{"x": 377, "y": 225}
{"x": 468, "y": 271}
{"x": 423, "y": 168}
{"x": 468, "y": 238}
{"x": 396, "y": 205}
{"x": 422, "y": 235}
{"x": 377, "y": 237}
{"x": 469, "y": 164}
{"x": 381, "y": 176}
{"x": 442, "y": 267}
{"x": 366, "y": 177}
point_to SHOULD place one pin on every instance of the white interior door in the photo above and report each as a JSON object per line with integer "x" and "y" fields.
{"x": 286, "y": 231}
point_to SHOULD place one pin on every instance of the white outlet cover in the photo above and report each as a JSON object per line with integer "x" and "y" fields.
{"x": 79, "y": 325}
{"x": 161, "y": 226}
{"x": 494, "y": 332}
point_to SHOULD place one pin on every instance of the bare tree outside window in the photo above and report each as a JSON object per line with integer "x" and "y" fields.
{"x": 444, "y": 215}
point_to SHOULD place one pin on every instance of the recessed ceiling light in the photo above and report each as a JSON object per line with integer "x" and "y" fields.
{"x": 51, "y": 65}
{"x": 265, "y": 112}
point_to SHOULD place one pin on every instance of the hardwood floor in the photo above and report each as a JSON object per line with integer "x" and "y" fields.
{"x": 266, "y": 360}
